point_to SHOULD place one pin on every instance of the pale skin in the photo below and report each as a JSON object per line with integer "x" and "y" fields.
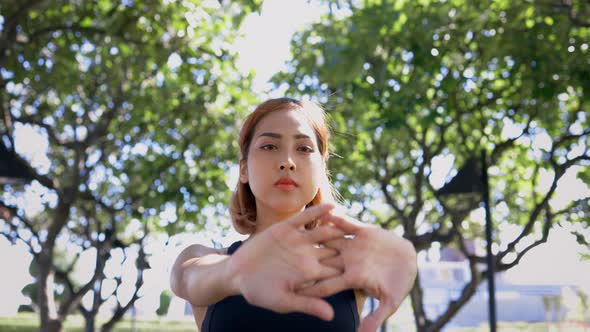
{"x": 281, "y": 267}
{"x": 378, "y": 262}
{"x": 267, "y": 270}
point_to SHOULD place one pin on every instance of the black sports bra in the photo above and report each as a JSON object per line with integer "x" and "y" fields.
{"x": 234, "y": 313}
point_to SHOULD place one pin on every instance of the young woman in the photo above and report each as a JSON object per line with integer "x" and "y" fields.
{"x": 297, "y": 271}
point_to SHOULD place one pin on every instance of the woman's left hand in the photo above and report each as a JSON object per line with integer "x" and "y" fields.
{"x": 374, "y": 260}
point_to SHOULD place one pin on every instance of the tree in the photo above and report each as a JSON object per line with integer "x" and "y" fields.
{"x": 165, "y": 299}
{"x": 135, "y": 101}
{"x": 409, "y": 84}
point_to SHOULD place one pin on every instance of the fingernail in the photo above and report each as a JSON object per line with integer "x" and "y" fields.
{"x": 327, "y": 205}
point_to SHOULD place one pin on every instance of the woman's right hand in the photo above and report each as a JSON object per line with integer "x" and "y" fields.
{"x": 271, "y": 266}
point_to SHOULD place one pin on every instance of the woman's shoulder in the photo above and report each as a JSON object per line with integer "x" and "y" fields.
{"x": 187, "y": 255}
{"x": 197, "y": 250}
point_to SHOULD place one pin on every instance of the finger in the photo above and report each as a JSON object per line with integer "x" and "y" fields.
{"x": 338, "y": 244}
{"x": 323, "y": 253}
{"x": 310, "y": 214}
{"x": 323, "y": 273}
{"x": 345, "y": 223}
{"x": 327, "y": 272}
{"x": 312, "y": 306}
{"x": 326, "y": 287}
{"x": 320, "y": 272}
{"x": 336, "y": 262}
{"x": 324, "y": 233}
{"x": 373, "y": 321}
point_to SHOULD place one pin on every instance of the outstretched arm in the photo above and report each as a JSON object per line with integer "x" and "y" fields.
{"x": 376, "y": 261}
{"x": 267, "y": 269}
{"x": 200, "y": 275}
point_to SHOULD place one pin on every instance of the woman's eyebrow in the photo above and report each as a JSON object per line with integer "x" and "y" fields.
{"x": 276, "y": 135}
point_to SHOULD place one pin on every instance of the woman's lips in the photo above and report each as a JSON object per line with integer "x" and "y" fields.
{"x": 286, "y": 184}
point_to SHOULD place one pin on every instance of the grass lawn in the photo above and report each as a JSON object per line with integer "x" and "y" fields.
{"x": 29, "y": 322}
{"x": 528, "y": 327}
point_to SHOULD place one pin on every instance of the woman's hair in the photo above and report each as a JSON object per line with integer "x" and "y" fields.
{"x": 243, "y": 203}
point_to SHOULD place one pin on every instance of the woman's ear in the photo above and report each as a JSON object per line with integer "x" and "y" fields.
{"x": 243, "y": 171}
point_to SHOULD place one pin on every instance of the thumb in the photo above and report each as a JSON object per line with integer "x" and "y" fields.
{"x": 343, "y": 222}
{"x": 373, "y": 321}
{"x": 310, "y": 214}
{"x": 312, "y": 306}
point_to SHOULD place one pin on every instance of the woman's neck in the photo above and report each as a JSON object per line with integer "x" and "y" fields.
{"x": 266, "y": 217}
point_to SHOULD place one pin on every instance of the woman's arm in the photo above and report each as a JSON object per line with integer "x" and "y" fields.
{"x": 267, "y": 270}
{"x": 376, "y": 261}
{"x": 200, "y": 275}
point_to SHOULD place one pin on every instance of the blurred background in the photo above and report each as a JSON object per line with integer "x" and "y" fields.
{"x": 118, "y": 148}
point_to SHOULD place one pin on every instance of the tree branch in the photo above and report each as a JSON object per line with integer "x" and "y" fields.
{"x": 7, "y": 212}
{"x": 10, "y": 27}
{"x": 566, "y": 138}
{"x": 526, "y": 230}
{"x": 574, "y": 15}
{"x": 559, "y": 170}
{"x": 64, "y": 277}
{"x": 65, "y": 28}
{"x": 391, "y": 202}
{"x": 105, "y": 121}
{"x": 7, "y": 120}
{"x": 503, "y": 146}
{"x": 455, "y": 305}
{"x": 423, "y": 241}
{"x": 546, "y": 227}
{"x": 417, "y": 297}
{"x": 141, "y": 264}
{"x": 102, "y": 252}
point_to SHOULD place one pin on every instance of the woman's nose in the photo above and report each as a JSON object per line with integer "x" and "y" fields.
{"x": 287, "y": 164}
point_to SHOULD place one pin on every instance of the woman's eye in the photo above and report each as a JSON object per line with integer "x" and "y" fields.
{"x": 306, "y": 149}
{"x": 268, "y": 147}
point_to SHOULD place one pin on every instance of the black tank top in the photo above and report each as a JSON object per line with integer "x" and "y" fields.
{"x": 234, "y": 313}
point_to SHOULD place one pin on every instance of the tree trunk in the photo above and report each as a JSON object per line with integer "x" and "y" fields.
{"x": 96, "y": 303}
{"x": 89, "y": 326}
{"x": 49, "y": 319}
{"x": 108, "y": 326}
{"x": 417, "y": 297}
{"x": 89, "y": 320}
{"x": 54, "y": 325}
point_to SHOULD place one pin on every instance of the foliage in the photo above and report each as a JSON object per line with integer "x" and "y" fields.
{"x": 134, "y": 102}
{"x": 412, "y": 86}
{"x": 165, "y": 299}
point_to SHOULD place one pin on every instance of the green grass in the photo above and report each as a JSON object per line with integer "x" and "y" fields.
{"x": 528, "y": 327}
{"x": 29, "y": 322}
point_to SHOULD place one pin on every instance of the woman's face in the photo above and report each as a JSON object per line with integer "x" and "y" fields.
{"x": 284, "y": 167}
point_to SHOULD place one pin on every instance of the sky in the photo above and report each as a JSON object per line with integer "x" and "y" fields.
{"x": 265, "y": 49}
{"x": 265, "y": 46}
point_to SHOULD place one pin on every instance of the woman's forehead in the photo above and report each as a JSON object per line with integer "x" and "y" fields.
{"x": 288, "y": 122}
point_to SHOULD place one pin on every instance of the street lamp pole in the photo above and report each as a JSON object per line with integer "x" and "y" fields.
{"x": 472, "y": 178}
{"x": 489, "y": 254}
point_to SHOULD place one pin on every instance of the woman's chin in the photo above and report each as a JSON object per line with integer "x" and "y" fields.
{"x": 287, "y": 208}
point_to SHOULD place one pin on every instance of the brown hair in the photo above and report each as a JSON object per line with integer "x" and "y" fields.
{"x": 243, "y": 203}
